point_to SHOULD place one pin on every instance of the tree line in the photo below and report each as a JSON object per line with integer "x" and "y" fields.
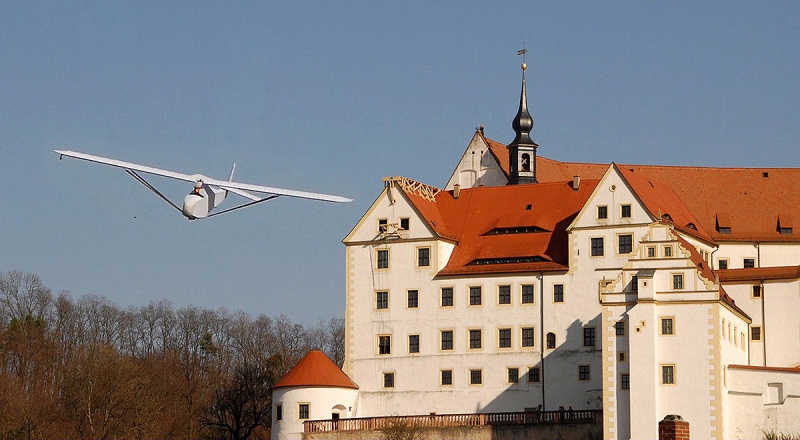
{"x": 87, "y": 368}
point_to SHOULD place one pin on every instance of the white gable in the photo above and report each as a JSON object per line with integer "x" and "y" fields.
{"x": 393, "y": 207}
{"x": 616, "y": 198}
{"x": 477, "y": 167}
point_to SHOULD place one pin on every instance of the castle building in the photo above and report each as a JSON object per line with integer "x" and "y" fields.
{"x": 528, "y": 283}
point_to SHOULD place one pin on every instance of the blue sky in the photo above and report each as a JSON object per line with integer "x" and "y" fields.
{"x": 331, "y": 97}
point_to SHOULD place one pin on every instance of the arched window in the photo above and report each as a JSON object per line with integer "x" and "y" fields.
{"x": 525, "y": 162}
{"x": 551, "y": 340}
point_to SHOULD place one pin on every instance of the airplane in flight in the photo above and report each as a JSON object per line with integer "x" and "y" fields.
{"x": 207, "y": 193}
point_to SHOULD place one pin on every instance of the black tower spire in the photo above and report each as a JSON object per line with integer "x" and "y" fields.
{"x": 522, "y": 150}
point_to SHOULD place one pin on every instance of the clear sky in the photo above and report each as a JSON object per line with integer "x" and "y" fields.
{"x": 331, "y": 97}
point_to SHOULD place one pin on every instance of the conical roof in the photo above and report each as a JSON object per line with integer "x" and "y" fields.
{"x": 315, "y": 370}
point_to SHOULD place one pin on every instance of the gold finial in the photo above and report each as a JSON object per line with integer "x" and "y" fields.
{"x": 522, "y": 52}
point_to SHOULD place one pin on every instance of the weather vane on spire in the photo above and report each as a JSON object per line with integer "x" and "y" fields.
{"x": 522, "y": 52}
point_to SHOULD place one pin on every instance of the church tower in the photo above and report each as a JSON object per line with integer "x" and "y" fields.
{"x": 522, "y": 150}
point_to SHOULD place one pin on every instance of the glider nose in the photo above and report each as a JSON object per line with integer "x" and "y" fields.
{"x": 194, "y": 206}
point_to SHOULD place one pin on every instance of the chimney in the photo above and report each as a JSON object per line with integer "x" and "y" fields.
{"x": 456, "y": 191}
{"x": 576, "y": 182}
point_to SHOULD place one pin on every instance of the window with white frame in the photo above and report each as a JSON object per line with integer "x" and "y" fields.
{"x": 475, "y": 339}
{"x": 597, "y": 246}
{"x": 558, "y": 293}
{"x": 513, "y": 375}
{"x": 447, "y": 377}
{"x": 625, "y": 243}
{"x": 584, "y": 372}
{"x": 527, "y": 337}
{"x": 527, "y": 294}
{"x": 668, "y": 374}
{"x": 447, "y": 339}
{"x": 677, "y": 281}
{"x": 447, "y": 296}
{"x": 413, "y": 343}
{"x": 388, "y": 380}
{"x": 504, "y": 294}
{"x": 504, "y": 338}
{"x": 382, "y": 300}
{"x": 384, "y": 344}
{"x": 303, "y": 411}
{"x": 625, "y": 211}
{"x": 413, "y": 298}
{"x": 602, "y": 212}
{"x": 667, "y": 326}
{"x": 475, "y": 295}
{"x": 382, "y": 258}
{"x": 475, "y": 377}
{"x": 423, "y": 257}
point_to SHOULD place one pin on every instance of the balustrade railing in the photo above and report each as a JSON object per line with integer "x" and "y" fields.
{"x": 454, "y": 420}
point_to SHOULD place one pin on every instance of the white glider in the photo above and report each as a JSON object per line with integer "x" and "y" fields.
{"x": 207, "y": 193}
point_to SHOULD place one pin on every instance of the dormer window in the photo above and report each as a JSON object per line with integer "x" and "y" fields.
{"x": 723, "y": 223}
{"x": 785, "y": 224}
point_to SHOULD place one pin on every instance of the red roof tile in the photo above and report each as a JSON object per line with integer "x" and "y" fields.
{"x": 753, "y": 198}
{"x": 471, "y": 219}
{"x": 759, "y": 274}
{"x": 315, "y": 370}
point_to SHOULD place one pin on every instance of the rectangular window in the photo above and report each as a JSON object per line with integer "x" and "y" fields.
{"x": 413, "y": 343}
{"x": 625, "y": 243}
{"x": 619, "y": 326}
{"x": 584, "y": 372}
{"x": 667, "y": 326}
{"x": 278, "y": 412}
{"x": 533, "y": 375}
{"x": 475, "y": 377}
{"x": 413, "y": 299}
{"x": 755, "y": 333}
{"x": 504, "y": 338}
{"x": 589, "y": 337}
{"x": 447, "y": 339}
{"x": 384, "y": 345}
{"x": 382, "y": 300}
{"x": 749, "y": 262}
{"x": 423, "y": 257}
{"x": 527, "y": 336}
{"x": 625, "y": 381}
{"x": 651, "y": 252}
{"x": 723, "y": 264}
{"x": 303, "y": 411}
{"x": 474, "y": 339}
{"x": 597, "y": 247}
{"x": 404, "y": 223}
{"x": 388, "y": 380}
{"x": 447, "y": 296}
{"x": 667, "y": 251}
{"x": 667, "y": 374}
{"x": 475, "y": 296}
{"x": 513, "y": 375}
{"x": 602, "y": 212}
{"x": 756, "y": 291}
{"x": 626, "y": 211}
{"x": 504, "y": 295}
{"x": 621, "y": 356}
{"x": 677, "y": 281}
{"x": 383, "y": 258}
{"x": 447, "y": 377}
{"x": 527, "y": 294}
{"x": 558, "y": 293}
{"x": 383, "y": 225}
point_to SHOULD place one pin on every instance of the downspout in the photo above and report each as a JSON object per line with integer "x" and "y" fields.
{"x": 763, "y": 324}
{"x": 716, "y": 248}
{"x": 541, "y": 335}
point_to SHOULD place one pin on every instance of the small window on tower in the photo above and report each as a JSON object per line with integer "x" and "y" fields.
{"x": 525, "y": 162}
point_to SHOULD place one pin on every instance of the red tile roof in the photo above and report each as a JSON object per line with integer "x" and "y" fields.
{"x": 315, "y": 370}
{"x": 758, "y": 368}
{"x": 519, "y": 228}
{"x": 752, "y": 199}
{"x": 759, "y": 274}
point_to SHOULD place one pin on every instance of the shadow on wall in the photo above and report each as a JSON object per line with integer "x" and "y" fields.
{"x": 569, "y": 375}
